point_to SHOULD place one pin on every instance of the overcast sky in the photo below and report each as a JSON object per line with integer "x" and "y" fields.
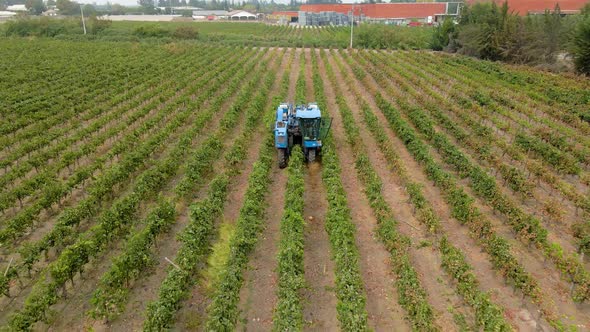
{"x": 134, "y": 2}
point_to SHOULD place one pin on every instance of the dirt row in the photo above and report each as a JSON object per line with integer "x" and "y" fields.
{"x": 550, "y": 281}
{"x": 258, "y": 295}
{"x": 85, "y": 286}
{"x": 146, "y": 288}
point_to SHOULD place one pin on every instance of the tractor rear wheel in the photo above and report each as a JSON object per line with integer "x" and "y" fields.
{"x": 311, "y": 155}
{"x": 282, "y": 158}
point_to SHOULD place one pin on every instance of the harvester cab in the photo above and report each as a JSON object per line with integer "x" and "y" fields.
{"x": 302, "y": 125}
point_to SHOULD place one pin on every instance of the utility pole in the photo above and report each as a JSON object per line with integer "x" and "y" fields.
{"x": 83, "y": 23}
{"x": 352, "y": 26}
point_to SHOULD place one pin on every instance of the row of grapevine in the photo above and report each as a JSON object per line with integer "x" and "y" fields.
{"x": 114, "y": 66}
{"x": 17, "y": 225}
{"x": 101, "y": 109}
{"x": 462, "y": 205}
{"x": 350, "y": 292}
{"x": 111, "y": 293}
{"x": 478, "y": 141}
{"x": 524, "y": 224}
{"x": 197, "y": 236}
{"x": 564, "y": 161}
{"x": 47, "y": 175}
{"x": 130, "y": 161}
{"x": 488, "y": 315}
{"x": 546, "y": 97}
{"x": 21, "y": 158}
{"x": 223, "y": 311}
{"x": 110, "y": 297}
{"x": 517, "y": 111}
{"x": 412, "y": 295}
{"x": 111, "y": 225}
{"x": 198, "y": 163}
{"x": 465, "y": 212}
{"x": 516, "y": 179}
{"x": 289, "y": 309}
{"x": 79, "y": 114}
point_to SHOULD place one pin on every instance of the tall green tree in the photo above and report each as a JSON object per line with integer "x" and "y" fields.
{"x": 35, "y": 7}
{"x": 443, "y": 34}
{"x": 581, "y": 44}
{"x": 89, "y": 10}
{"x": 67, "y": 7}
{"x": 147, "y": 5}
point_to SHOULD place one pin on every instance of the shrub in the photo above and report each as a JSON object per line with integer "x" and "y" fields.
{"x": 42, "y": 27}
{"x": 151, "y": 31}
{"x": 186, "y": 32}
{"x": 441, "y": 36}
{"x": 97, "y": 25}
{"x": 581, "y": 47}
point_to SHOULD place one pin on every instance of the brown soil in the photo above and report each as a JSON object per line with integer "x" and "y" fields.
{"x": 193, "y": 312}
{"x": 319, "y": 310}
{"x": 382, "y": 307}
{"x": 489, "y": 279}
{"x": 559, "y": 231}
{"x": 258, "y": 295}
{"x": 74, "y": 321}
{"x": 550, "y": 283}
{"x": 426, "y": 261}
{"x": 102, "y": 149}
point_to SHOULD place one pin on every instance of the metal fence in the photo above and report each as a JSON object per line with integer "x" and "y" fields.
{"x": 323, "y": 18}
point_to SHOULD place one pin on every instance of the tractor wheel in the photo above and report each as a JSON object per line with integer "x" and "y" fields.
{"x": 282, "y": 158}
{"x": 311, "y": 155}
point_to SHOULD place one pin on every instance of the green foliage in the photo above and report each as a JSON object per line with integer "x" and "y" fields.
{"x": 195, "y": 244}
{"x": 442, "y": 35}
{"x": 186, "y": 32}
{"x": 67, "y": 7}
{"x": 35, "y": 7}
{"x": 525, "y": 225}
{"x": 97, "y": 25}
{"x": 223, "y": 311}
{"x": 352, "y": 313}
{"x": 562, "y": 162}
{"x": 160, "y": 31}
{"x": 147, "y": 5}
{"x": 154, "y": 31}
{"x": 114, "y": 221}
{"x": 379, "y": 36}
{"x": 196, "y": 238}
{"x": 251, "y": 34}
{"x": 495, "y": 33}
{"x": 42, "y": 27}
{"x": 111, "y": 294}
{"x": 581, "y": 46}
{"x": 289, "y": 311}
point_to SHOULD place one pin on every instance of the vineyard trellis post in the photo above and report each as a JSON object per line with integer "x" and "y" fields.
{"x": 83, "y": 23}
{"x": 351, "y": 26}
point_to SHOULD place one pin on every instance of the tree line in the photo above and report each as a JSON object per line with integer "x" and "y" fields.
{"x": 492, "y": 32}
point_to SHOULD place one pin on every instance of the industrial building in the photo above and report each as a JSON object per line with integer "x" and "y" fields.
{"x": 393, "y": 13}
{"x": 323, "y": 18}
{"x": 423, "y": 12}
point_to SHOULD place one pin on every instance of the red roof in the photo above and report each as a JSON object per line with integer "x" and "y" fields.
{"x": 523, "y": 7}
{"x": 286, "y": 13}
{"x": 383, "y": 10}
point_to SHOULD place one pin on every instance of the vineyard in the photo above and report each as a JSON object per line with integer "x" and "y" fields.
{"x": 227, "y": 33}
{"x": 140, "y": 190}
